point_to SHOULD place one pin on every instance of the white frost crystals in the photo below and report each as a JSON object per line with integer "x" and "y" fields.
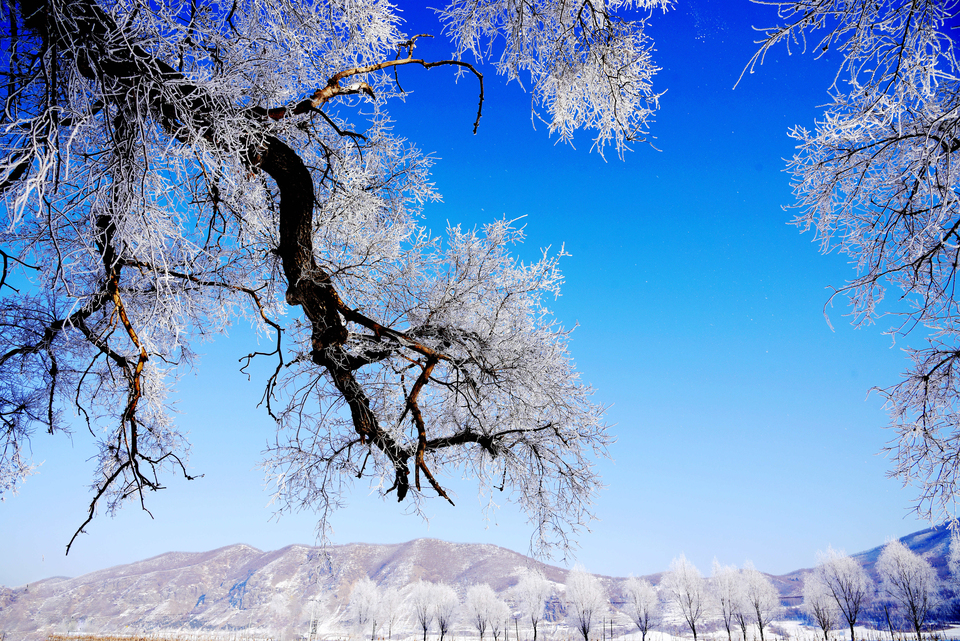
{"x": 588, "y": 68}
{"x": 877, "y": 181}
{"x": 167, "y": 168}
{"x": 910, "y": 583}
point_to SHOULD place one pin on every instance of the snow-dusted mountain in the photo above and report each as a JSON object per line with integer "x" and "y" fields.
{"x": 241, "y": 587}
{"x": 933, "y": 544}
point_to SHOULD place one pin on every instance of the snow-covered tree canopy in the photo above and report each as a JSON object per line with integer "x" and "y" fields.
{"x": 908, "y": 579}
{"x": 876, "y": 179}
{"x": 686, "y": 590}
{"x": 642, "y": 605}
{"x": 847, "y": 583}
{"x": 586, "y": 600}
{"x": 170, "y": 167}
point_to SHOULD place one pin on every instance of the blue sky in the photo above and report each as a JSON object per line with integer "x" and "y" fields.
{"x": 743, "y": 423}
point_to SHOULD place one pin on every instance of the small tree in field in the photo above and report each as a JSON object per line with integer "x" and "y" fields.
{"x": 498, "y": 617}
{"x": 686, "y": 589}
{"x": 819, "y": 604}
{"x": 642, "y": 605}
{"x": 391, "y": 607}
{"x": 910, "y": 582}
{"x": 586, "y": 600}
{"x": 481, "y": 607}
{"x": 846, "y": 581}
{"x": 760, "y": 596}
{"x": 726, "y": 592}
{"x": 422, "y": 605}
{"x": 532, "y": 593}
{"x": 364, "y": 606}
{"x": 445, "y": 605}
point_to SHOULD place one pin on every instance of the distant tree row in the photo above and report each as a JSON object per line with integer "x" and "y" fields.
{"x": 839, "y": 590}
{"x": 837, "y": 594}
{"x": 437, "y": 605}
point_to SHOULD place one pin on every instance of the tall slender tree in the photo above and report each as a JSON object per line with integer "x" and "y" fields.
{"x": 422, "y": 603}
{"x": 532, "y": 592}
{"x": 364, "y": 606}
{"x": 726, "y": 591}
{"x": 686, "y": 589}
{"x": 760, "y": 597}
{"x": 485, "y": 610}
{"x": 586, "y": 600}
{"x": 844, "y": 578}
{"x": 910, "y": 582}
{"x": 446, "y": 603}
{"x": 391, "y": 608}
{"x": 642, "y": 605}
{"x": 820, "y": 604}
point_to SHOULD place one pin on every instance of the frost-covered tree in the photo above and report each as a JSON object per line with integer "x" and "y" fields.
{"x": 910, "y": 582}
{"x": 642, "y": 605}
{"x": 364, "y": 606}
{"x": 485, "y": 610}
{"x": 391, "y": 608}
{"x": 586, "y": 600}
{"x": 846, "y": 581}
{"x": 532, "y": 592}
{"x": 760, "y": 597}
{"x": 876, "y": 179}
{"x": 168, "y": 168}
{"x": 422, "y": 604}
{"x": 499, "y": 619}
{"x": 686, "y": 589}
{"x": 445, "y": 606}
{"x": 819, "y": 603}
{"x": 725, "y": 590}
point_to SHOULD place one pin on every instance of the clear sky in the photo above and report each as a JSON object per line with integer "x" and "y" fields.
{"x": 743, "y": 423}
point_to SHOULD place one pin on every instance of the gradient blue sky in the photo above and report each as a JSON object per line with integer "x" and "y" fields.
{"x": 742, "y": 425}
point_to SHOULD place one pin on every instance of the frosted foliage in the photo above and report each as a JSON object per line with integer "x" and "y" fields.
{"x": 875, "y": 179}
{"x": 846, "y": 581}
{"x": 499, "y": 618}
{"x": 910, "y": 582}
{"x": 642, "y": 605}
{"x": 390, "y": 609}
{"x": 422, "y": 605}
{"x": 485, "y": 611}
{"x": 726, "y": 588}
{"x": 819, "y": 604}
{"x": 586, "y": 66}
{"x": 686, "y": 590}
{"x": 586, "y": 600}
{"x": 760, "y": 597}
{"x": 170, "y": 168}
{"x": 364, "y": 607}
{"x": 532, "y": 592}
{"x": 445, "y": 606}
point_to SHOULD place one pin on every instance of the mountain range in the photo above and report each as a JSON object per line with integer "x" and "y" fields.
{"x": 242, "y": 588}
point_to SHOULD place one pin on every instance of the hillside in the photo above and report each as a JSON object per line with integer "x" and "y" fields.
{"x": 241, "y": 587}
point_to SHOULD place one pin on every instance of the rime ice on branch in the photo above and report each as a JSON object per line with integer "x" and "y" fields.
{"x": 167, "y": 168}
{"x": 876, "y": 180}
